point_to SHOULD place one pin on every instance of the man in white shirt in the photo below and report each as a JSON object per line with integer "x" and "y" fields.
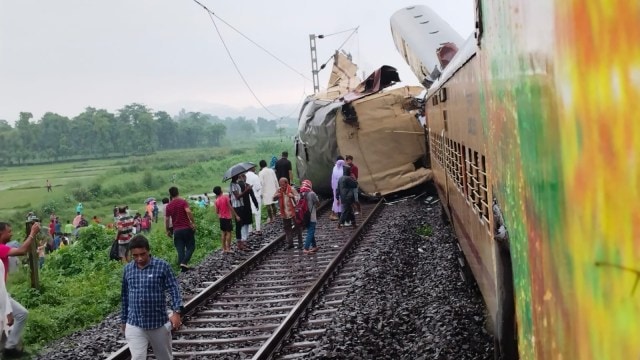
{"x": 269, "y": 186}
{"x": 254, "y": 181}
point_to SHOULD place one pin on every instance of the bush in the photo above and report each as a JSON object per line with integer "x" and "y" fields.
{"x": 95, "y": 189}
{"x": 81, "y": 194}
{"x": 148, "y": 180}
{"x": 50, "y": 207}
{"x": 268, "y": 146}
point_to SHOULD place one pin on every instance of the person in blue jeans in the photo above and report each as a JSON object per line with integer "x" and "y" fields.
{"x": 306, "y": 190}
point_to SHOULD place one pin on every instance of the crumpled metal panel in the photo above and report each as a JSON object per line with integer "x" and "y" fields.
{"x": 316, "y": 144}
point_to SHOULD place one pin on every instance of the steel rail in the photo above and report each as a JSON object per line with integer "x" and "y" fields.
{"x": 124, "y": 354}
{"x": 269, "y": 348}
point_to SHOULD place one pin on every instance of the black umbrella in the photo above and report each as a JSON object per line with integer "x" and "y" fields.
{"x": 237, "y": 169}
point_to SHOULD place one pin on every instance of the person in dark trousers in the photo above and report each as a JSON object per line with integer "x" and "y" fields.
{"x": 306, "y": 190}
{"x": 283, "y": 168}
{"x": 287, "y": 196}
{"x": 354, "y": 175}
{"x": 145, "y": 283}
{"x": 237, "y": 191}
{"x": 184, "y": 227}
{"x": 346, "y": 184}
{"x": 248, "y": 198}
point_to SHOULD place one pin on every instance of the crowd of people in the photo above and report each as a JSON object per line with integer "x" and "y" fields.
{"x": 148, "y": 279}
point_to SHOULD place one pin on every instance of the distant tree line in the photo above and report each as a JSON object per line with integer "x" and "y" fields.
{"x": 134, "y": 129}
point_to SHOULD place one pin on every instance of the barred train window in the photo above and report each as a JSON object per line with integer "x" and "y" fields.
{"x": 459, "y": 166}
{"x": 484, "y": 191}
{"x": 465, "y": 178}
{"x": 471, "y": 177}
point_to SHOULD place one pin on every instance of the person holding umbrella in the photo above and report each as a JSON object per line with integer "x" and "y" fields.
{"x": 237, "y": 193}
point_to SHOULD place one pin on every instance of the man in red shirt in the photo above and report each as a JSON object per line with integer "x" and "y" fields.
{"x": 184, "y": 227}
{"x": 19, "y": 315}
{"x": 354, "y": 175}
{"x": 225, "y": 212}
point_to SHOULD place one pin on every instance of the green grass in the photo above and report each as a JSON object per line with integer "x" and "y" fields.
{"x": 79, "y": 285}
{"x": 425, "y": 230}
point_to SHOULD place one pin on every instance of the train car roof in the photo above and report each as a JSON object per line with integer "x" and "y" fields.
{"x": 468, "y": 50}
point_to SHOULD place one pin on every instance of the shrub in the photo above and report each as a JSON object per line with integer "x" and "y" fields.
{"x": 95, "y": 189}
{"x": 81, "y": 194}
{"x": 50, "y": 207}
{"x": 268, "y": 146}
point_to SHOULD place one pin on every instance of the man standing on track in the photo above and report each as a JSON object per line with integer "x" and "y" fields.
{"x": 184, "y": 227}
{"x": 354, "y": 175}
{"x": 254, "y": 180}
{"x": 346, "y": 184}
{"x": 236, "y": 193}
{"x": 306, "y": 190}
{"x": 269, "y": 185}
{"x": 144, "y": 316}
{"x": 18, "y": 315}
{"x": 287, "y": 196}
{"x": 283, "y": 167}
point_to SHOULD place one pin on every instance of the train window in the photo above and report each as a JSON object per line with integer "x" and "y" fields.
{"x": 484, "y": 191}
{"x": 463, "y": 160}
{"x": 477, "y": 204}
{"x": 471, "y": 178}
{"x": 444, "y": 118}
{"x": 441, "y": 151}
{"x": 443, "y": 94}
{"x": 435, "y": 141}
{"x": 459, "y": 168}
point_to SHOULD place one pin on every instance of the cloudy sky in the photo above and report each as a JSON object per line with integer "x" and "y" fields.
{"x": 65, "y": 55}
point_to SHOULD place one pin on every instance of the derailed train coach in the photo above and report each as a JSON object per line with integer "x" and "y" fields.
{"x": 534, "y": 147}
{"x": 375, "y": 126}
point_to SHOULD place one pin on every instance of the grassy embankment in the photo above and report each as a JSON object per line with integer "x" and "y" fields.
{"x": 79, "y": 285}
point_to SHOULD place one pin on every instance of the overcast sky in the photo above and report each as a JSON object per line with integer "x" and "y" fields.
{"x": 65, "y": 55}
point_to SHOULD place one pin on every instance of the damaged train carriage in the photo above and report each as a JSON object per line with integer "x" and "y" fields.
{"x": 360, "y": 119}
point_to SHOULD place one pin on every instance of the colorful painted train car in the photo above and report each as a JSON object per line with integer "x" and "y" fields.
{"x": 532, "y": 130}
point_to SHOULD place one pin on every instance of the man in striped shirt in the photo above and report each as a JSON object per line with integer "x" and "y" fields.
{"x": 145, "y": 282}
{"x": 124, "y": 226}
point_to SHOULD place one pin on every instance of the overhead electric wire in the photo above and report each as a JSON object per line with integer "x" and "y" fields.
{"x": 336, "y": 33}
{"x": 253, "y": 42}
{"x": 355, "y": 30}
{"x": 244, "y": 80}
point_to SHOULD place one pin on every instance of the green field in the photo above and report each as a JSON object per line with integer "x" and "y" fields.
{"x": 102, "y": 184}
{"x": 79, "y": 285}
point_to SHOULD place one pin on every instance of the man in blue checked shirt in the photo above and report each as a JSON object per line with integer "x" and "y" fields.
{"x": 144, "y": 313}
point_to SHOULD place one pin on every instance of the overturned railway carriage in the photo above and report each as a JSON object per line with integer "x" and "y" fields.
{"x": 364, "y": 121}
{"x": 532, "y": 130}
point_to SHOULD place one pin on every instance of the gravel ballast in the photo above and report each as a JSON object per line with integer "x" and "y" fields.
{"x": 408, "y": 303}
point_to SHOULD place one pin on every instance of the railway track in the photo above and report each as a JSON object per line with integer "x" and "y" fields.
{"x": 277, "y": 303}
